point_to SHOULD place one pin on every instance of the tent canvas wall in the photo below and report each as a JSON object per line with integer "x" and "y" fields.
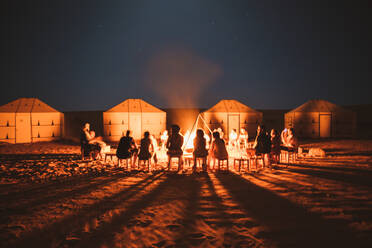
{"x": 232, "y": 114}
{"x": 321, "y": 119}
{"x": 28, "y": 120}
{"x": 135, "y": 115}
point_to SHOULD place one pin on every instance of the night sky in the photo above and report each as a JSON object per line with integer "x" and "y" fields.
{"x": 92, "y": 55}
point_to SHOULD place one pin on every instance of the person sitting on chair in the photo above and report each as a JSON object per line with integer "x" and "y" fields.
{"x": 219, "y": 130}
{"x": 174, "y": 145}
{"x": 233, "y": 137}
{"x": 262, "y": 144}
{"x": 146, "y": 148}
{"x": 98, "y": 143}
{"x": 200, "y": 150}
{"x": 218, "y": 148}
{"x": 243, "y": 139}
{"x": 84, "y": 142}
{"x": 275, "y": 146}
{"x": 88, "y": 148}
{"x": 290, "y": 142}
{"x": 127, "y": 148}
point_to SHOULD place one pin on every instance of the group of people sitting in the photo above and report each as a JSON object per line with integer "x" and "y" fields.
{"x": 269, "y": 145}
{"x": 235, "y": 139}
{"x": 127, "y": 148}
{"x": 175, "y": 141}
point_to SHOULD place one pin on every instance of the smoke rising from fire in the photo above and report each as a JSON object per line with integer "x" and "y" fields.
{"x": 180, "y": 76}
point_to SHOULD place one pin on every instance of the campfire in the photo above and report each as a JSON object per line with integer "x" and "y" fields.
{"x": 233, "y": 146}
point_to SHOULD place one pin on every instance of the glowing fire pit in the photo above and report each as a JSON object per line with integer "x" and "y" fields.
{"x": 234, "y": 148}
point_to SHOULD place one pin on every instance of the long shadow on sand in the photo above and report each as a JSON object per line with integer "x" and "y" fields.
{"x": 54, "y": 194}
{"x": 229, "y": 220}
{"x": 327, "y": 197}
{"x": 189, "y": 216}
{"x": 288, "y": 224}
{"x": 211, "y": 210}
{"x": 50, "y": 234}
{"x": 14, "y": 191}
{"x": 173, "y": 182}
{"x": 364, "y": 178}
{"x": 187, "y": 236}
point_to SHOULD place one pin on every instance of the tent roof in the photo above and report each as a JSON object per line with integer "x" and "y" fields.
{"x": 318, "y": 106}
{"x": 135, "y": 105}
{"x": 231, "y": 106}
{"x": 26, "y": 105}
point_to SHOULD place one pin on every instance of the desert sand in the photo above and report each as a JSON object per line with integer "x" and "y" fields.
{"x": 51, "y": 198}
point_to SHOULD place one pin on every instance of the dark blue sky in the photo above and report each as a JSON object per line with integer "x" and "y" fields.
{"x": 91, "y": 55}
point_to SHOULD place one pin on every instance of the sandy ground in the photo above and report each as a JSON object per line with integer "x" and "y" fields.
{"x": 50, "y": 198}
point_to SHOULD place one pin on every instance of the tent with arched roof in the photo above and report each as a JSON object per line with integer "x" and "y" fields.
{"x": 135, "y": 115}
{"x": 28, "y": 120}
{"x": 232, "y": 114}
{"x": 321, "y": 119}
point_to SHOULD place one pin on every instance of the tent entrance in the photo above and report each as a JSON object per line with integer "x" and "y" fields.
{"x": 325, "y": 121}
{"x": 135, "y": 125}
{"x": 233, "y": 123}
{"x": 23, "y": 128}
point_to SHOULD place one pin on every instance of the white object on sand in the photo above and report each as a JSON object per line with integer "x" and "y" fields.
{"x": 317, "y": 152}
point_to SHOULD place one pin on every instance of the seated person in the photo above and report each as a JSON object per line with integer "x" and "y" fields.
{"x": 243, "y": 139}
{"x": 95, "y": 140}
{"x": 219, "y": 130}
{"x": 290, "y": 142}
{"x": 218, "y": 148}
{"x": 275, "y": 146}
{"x": 98, "y": 142}
{"x": 127, "y": 148}
{"x": 88, "y": 148}
{"x": 200, "y": 150}
{"x": 262, "y": 144}
{"x": 174, "y": 144}
{"x": 146, "y": 148}
{"x": 233, "y": 137}
{"x": 84, "y": 141}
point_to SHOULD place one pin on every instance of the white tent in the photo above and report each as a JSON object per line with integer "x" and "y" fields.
{"x": 28, "y": 120}
{"x": 232, "y": 114}
{"x": 135, "y": 115}
{"x": 321, "y": 119}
